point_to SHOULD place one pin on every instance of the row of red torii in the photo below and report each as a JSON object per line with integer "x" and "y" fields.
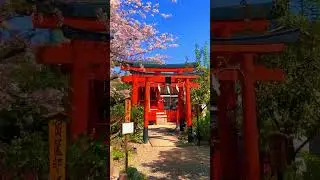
{"x": 149, "y": 76}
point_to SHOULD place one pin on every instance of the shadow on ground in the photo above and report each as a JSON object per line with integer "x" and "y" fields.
{"x": 190, "y": 162}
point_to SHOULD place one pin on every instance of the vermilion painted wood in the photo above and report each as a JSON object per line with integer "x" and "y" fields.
{"x": 188, "y": 104}
{"x": 242, "y": 48}
{"x": 234, "y": 27}
{"x": 147, "y": 69}
{"x": 260, "y": 73}
{"x": 250, "y": 128}
{"x": 224, "y": 163}
{"x": 80, "y": 93}
{"x": 63, "y": 54}
{"x": 181, "y": 104}
{"x": 228, "y": 138}
{"x": 192, "y": 85}
{"x": 158, "y": 78}
{"x": 49, "y": 22}
{"x": 146, "y": 103}
{"x": 134, "y": 96}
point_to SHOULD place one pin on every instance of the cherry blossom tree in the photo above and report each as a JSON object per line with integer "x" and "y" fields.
{"x": 133, "y": 38}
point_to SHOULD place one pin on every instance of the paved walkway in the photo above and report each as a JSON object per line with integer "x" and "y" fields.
{"x": 166, "y": 157}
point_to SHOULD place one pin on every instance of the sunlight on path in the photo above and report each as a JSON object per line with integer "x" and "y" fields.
{"x": 164, "y": 158}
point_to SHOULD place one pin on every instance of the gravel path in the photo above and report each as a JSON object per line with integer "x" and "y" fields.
{"x": 171, "y": 162}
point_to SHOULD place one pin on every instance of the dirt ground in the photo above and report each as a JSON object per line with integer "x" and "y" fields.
{"x": 167, "y": 158}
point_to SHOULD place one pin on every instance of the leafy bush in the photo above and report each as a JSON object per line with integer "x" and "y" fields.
{"x": 25, "y": 155}
{"x": 306, "y": 169}
{"x": 86, "y": 158}
{"x": 137, "y": 116}
{"x": 134, "y": 174}
{"x": 117, "y": 118}
{"x": 312, "y": 163}
{"x": 203, "y": 126}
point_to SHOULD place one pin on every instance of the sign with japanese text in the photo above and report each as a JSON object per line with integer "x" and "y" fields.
{"x": 57, "y": 144}
{"x": 127, "y": 117}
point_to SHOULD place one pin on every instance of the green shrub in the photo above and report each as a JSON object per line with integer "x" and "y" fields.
{"x": 117, "y": 118}
{"x": 134, "y": 174}
{"x": 137, "y": 116}
{"x": 25, "y": 155}
{"x": 203, "y": 126}
{"x": 310, "y": 162}
{"x": 86, "y": 158}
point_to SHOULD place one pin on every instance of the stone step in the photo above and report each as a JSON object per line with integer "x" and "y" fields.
{"x": 160, "y": 112}
{"x": 161, "y": 116}
{"x": 161, "y": 121}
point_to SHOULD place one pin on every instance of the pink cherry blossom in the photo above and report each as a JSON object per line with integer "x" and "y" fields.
{"x": 133, "y": 38}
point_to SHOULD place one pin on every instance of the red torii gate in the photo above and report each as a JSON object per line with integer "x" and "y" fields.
{"x": 88, "y": 56}
{"x": 141, "y": 78}
{"x": 234, "y": 61}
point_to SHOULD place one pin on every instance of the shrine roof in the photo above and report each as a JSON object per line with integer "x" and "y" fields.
{"x": 184, "y": 65}
{"x": 238, "y": 12}
{"x": 284, "y": 36}
{"x": 80, "y": 34}
{"x": 84, "y": 8}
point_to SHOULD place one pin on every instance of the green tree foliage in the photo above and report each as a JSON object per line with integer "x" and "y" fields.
{"x": 292, "y": 107}
{"x": 28, "y": 155}
{"x": 201, "y": 95}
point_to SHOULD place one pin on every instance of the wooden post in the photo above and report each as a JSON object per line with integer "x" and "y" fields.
{"x": 250, "y": 129}
{"x": 127, "y": 119}
{"x": 146, "y": 110}
{"x": 188, "y": 109}
{"x": 57, "y": 146}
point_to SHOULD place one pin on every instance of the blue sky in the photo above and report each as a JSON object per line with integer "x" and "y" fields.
{"x": 190, "y": 22}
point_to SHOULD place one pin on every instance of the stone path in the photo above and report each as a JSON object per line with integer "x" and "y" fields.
{"x": 165, "y": 157}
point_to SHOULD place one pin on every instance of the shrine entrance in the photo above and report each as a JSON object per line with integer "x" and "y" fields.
{"x": 236, "y": 44}
{"x": 165, "y": 93}
{"x": 86, "y": 58}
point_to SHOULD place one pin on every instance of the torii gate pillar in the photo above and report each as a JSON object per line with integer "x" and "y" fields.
{"x": 146, "y": 110}
{"x": 80, "y": 91}
{"x": 135, "y": 91}
{"x": 250, "y": 129}
{"x": 188, "y": 109}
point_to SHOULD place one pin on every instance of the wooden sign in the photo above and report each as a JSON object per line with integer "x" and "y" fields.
{"x": 127, "y": 128}
{"x": 127, "y": 117}
{"x": 57, "y": 144}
